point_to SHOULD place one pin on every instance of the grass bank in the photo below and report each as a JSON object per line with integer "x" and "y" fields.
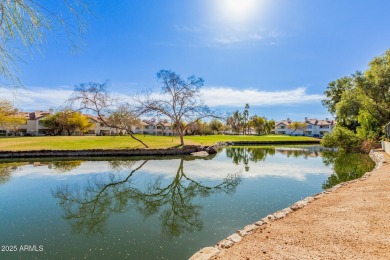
{"x": 126, "y": 142}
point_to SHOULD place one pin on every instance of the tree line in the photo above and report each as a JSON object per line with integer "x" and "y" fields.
{"x": 242, "y": 123}
{"x": 361, "y": 104}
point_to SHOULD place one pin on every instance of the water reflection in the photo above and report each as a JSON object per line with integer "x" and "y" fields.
{"x": 346, "y": 166}
{"x": 244, "y": 155}
{"x": 7, "y": 169}
{"x": 64, "y": 166}
{"x": 88, "y": 208}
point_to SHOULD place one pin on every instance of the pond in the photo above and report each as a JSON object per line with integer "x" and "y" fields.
{"x": 155, "y": 208}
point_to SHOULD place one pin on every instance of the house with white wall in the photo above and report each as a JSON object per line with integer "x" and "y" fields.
{"x": 33, "y": 126}
{"x": 100, "y": 128}
{"x": 314, "y": 127}
{"x": 152, "y": 127}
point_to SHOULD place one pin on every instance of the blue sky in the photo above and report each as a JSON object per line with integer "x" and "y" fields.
{"x": 276, "y": 55}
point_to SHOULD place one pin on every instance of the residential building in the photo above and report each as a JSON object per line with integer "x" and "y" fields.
{"x": 314, "y": 127}
{"x": 154, "y": 128}
{"x": 33, "y": 126}
{"x": 100, "y": 128}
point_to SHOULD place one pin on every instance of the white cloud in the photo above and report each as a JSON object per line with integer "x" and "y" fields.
{"x": 227, "y": 96}
{"x": 30, "y": 99}
{"x": 217, "y": 169}
{"x": 224, "y": 36}
{"x": 37, "y": 98}
{"x": 229, "y": 38}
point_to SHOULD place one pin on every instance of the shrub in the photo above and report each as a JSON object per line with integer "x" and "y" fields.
{"x": 344, "y": 139}
{"x": 368, "y": 144}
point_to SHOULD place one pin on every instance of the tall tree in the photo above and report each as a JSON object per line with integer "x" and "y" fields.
{"x": 180, "y": 101}
{"x": 215, "y": 125}
{"x": 25, "y": 23}
{"x": 245, "y": 115}
{"x": 375, "y": 86}
{"x": 258, "y": 123}
{"x": 112, "y": 111}
{"x": 334, "y": 92}
{"x": 362, "y": 102}
{"x": 235, "y": 122}
{"x": 348, "y": 109}
{"x": 269, "y": 125}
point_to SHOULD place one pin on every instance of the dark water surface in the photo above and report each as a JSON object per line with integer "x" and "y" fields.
{"x": 155, "y": 208}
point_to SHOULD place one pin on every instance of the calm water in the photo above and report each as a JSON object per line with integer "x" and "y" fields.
{"x": 156, "y": 208}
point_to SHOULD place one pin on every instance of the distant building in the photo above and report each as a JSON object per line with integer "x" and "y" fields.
{"x": 314, "y": 127}
{"x": 154, "y": 128}
{"x": 34, "y": 128}
{"x": 100, "y": 128}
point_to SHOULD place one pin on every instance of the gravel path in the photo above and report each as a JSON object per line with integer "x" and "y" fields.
{"x": 352, "y": 222}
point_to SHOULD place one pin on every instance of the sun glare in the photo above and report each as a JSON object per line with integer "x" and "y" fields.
{"x": 238, "y": 10}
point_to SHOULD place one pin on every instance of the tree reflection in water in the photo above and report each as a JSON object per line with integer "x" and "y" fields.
{"x": 6, "y": 170}
{"x": 256, "y": 154}
{"x": 346, "y": 167}
{"x": 88, "y": 208}
{"x": 64, "y": 166}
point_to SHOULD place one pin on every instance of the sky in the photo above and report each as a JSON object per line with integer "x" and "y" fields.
{"x": 276, "y": 55}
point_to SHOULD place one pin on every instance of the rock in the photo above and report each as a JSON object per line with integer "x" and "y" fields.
{"x": 247, "y": 230}
{"x": 250, "y": 228}
{"x": 308, "y": 199}
{"x": 243, "y": 233}
{"x": 205, "y": 253}
{"x": 200, "y": 148}
{"x": 211, "y": 150}
{"x": 225, "y": 243}
{"x": 268, "y": 219}
{"x": 319, "y": 195}
{"x": 337, "y": 186}
{"x": 298, "y": 205}
{"x": 234, "y": 238}
{"x": 260, "y": 223}
{"x": 282, "y": 213}
{"x": 200, "y": 154}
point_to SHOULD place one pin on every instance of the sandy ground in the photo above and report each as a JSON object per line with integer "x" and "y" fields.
{"x": 352, "y": 222}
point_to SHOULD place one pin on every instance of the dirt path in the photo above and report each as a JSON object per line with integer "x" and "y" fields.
{"x": 352, "y": 222}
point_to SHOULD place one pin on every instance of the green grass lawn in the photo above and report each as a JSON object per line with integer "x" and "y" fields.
{"x": 126, "y": 142}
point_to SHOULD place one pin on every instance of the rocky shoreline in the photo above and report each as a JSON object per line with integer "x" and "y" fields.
{"x": 210, "y": 252}
{"x": 196, "y": 150}
{"x": 185, "y": 150}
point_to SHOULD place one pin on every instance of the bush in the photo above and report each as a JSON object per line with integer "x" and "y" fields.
{"x": 368, "y": 144}
{"x": 344, "y": 139}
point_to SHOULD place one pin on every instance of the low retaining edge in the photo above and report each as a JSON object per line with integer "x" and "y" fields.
{"x": 209, "y": 252}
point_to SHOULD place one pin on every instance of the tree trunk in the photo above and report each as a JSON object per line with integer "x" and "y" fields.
{"x": 180, "y": 132}
{"x": 135, "y": 138}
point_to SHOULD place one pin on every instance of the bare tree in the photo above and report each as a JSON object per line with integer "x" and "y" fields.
{"x": 112, "y": 111}
{"x": 180, "y": 101}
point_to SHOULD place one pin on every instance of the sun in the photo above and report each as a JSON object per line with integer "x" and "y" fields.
{"x": 237, "y": 10}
